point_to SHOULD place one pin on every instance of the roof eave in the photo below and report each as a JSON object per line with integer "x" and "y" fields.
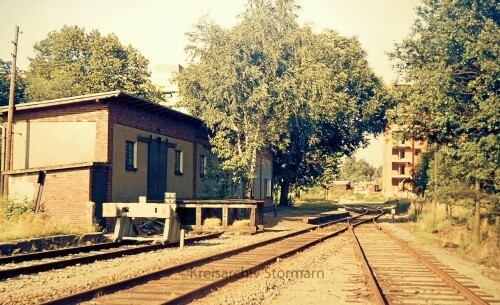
{"x": 63, "y": 101}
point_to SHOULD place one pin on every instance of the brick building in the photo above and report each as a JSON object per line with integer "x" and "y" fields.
{"x": 108, "y": 147}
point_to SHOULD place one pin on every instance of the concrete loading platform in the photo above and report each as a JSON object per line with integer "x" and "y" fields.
{"x": 326, "y": 216}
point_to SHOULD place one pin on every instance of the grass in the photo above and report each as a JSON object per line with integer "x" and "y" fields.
{"x": 18, "y": 221}
{"x": 212, "y": 222}
{"x": 317, "y": 199}
{"x": 402, "y": 204}
{"x": 318, "y": 193}
{"x": 316, "y": 205}
{"x": 241, "y": 223}
{"x": 458, "y": 231}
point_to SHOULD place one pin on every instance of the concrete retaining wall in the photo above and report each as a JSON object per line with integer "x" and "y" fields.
{"x": 50, "y": 243}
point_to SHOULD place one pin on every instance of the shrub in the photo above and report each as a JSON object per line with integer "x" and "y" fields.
{"x": 12, "y": 209}
{"x": 18, "y": 221}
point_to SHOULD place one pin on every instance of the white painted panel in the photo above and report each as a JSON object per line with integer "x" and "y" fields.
{"x": 58, "y": 143}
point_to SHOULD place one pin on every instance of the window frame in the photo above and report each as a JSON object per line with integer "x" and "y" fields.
{"x": 268, "y": 188}
{"x": 203, "y": 165}
{"x": 179, "y": 162}
{"x": 402, "y": 170}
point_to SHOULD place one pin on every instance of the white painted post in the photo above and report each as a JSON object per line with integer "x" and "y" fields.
{"x": 181, "y": 242}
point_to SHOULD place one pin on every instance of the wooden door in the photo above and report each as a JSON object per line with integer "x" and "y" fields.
{"x": 157, "y": 169}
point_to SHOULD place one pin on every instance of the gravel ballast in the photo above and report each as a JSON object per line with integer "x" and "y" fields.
{"x": 334, "y": 273}
{"x": 45, "y": 286}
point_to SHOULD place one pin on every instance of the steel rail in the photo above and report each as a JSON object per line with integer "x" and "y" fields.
{"x": 186, "y": 297}
{"x": 377, "y": 295}
{"x": 90, "y": 258}
{"x": 464, "y": 291}
{"x": 183, "y": 299}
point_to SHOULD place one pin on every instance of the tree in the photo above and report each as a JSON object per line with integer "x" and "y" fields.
{"x": 72, "y": 62}
{"x": 334, "y": 101}
{"x": 451, "y": 60}
{"x": 5, "y": 71}
{"x": 268, "y": 83}
{"x": 451, "y": 63}
{"x": 357, "y": 170}
{"x": 231, "y": 82}
{"x": 220, "y": 183}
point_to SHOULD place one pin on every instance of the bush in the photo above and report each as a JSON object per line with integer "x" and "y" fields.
{"x": 11, "y": 210}
{"x": 18, "y": 221}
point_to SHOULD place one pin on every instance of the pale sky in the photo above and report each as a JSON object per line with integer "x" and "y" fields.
{"x": 156, "y": 27}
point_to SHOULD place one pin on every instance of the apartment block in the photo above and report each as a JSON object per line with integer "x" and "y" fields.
{"x": 399, "y": 160}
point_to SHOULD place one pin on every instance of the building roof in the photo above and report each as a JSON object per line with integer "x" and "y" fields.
{"x": 338, "y": 182}
{"x": 118, "y": 97}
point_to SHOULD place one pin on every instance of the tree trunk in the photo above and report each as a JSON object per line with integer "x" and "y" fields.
{"x": 477, "y": 222}
{"x": 285, "y": 188}
{"x": 434, "y": 209}
{"x": 436, "y": 160}
{"x": 497, "y": 230}
{"x": 249, "y": 186}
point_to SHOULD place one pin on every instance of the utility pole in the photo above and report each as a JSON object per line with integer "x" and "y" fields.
{"x": 10, "y": 116}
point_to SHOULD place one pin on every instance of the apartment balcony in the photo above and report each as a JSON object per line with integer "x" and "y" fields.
{"x": 402, "y": 145}
{"x": 400, "y": 176}
{"x": 404, "y": 160}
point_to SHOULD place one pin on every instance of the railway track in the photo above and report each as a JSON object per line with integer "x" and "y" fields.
{"x": 183, "y": 283}
{"x": 407, "y": 276}
{"x": 11, "y": 266}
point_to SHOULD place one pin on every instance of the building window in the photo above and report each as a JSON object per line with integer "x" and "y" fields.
{"x": 130, "y": 155}
{"x": 267, "y": 187}
{"x": 203, "y": 165}
{"x": 417, "y": 152}
{"x": 179, "y": 159}
{"x": 402, "y": 170}
{"x": 402, "y": 154}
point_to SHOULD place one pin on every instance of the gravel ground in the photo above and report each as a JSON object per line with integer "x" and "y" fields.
{"x": 44, "y": 286}
{"x": 342, "y": 283}
{"x": 478, "y": 273}
{"x": 328, "y": 273}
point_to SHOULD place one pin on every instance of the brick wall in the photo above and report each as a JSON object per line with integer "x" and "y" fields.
{"x": 67, "y": 192}
{"x": 65, "y": 196}
{"x": 148, "y": 121}
{"x": 80, "y": 112}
